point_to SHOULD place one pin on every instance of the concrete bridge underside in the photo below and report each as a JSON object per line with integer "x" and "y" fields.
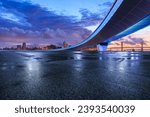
{"x": 125, "y": 17}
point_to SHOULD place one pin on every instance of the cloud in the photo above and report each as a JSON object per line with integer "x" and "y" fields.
{"x": 45, "y": 36}
{"x": 107, "y": 4}
{"x": 22, "y": 21}
{"x": 132, "y": 41}
{"x": 89, "y": 18}
{"x": 105, "y": 7}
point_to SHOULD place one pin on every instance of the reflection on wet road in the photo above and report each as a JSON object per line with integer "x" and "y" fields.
{"x": 74, "y": 75}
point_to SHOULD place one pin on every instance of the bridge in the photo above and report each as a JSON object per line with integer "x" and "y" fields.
{"x": 125, "y": 17}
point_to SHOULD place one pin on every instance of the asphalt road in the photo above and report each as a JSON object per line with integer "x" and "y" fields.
{"x": 74, "y": 75}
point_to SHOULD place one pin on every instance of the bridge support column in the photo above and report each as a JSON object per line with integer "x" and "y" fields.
{"x": 102, "y": 47}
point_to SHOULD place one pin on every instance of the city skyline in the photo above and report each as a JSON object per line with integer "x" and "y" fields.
{"x": 132, "y": 41}
{"x": 40, "y": 23}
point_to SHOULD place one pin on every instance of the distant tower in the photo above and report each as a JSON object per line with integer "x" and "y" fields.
{"x": 65, "y": 44}
{"x": 24, "y": 47}
{"x": 121, "y": 46}
{"x": 142, "y": 46}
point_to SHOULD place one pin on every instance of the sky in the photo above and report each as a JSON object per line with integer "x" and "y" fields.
{"x": 45, "y": 22}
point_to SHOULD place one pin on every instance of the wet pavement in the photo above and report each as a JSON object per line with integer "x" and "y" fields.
{"x": 74, "y": 75}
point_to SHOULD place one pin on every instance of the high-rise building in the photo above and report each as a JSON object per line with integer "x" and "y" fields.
{"x": 18, "y": 47}
{"x": 24, "y": 46}
{"x": 65, "y": 44}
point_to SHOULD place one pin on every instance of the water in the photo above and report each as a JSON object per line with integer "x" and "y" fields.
{"x": 74, "y": 75}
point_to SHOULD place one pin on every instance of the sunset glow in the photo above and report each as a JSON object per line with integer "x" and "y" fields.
{"x": 134, "y": 40}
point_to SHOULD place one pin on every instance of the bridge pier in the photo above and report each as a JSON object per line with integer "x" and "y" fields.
{"x": 102, "y": 47}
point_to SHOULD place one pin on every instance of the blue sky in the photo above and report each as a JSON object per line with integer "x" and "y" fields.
{"x": 39, "y": 22}
{"x": 72, "y": 7}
